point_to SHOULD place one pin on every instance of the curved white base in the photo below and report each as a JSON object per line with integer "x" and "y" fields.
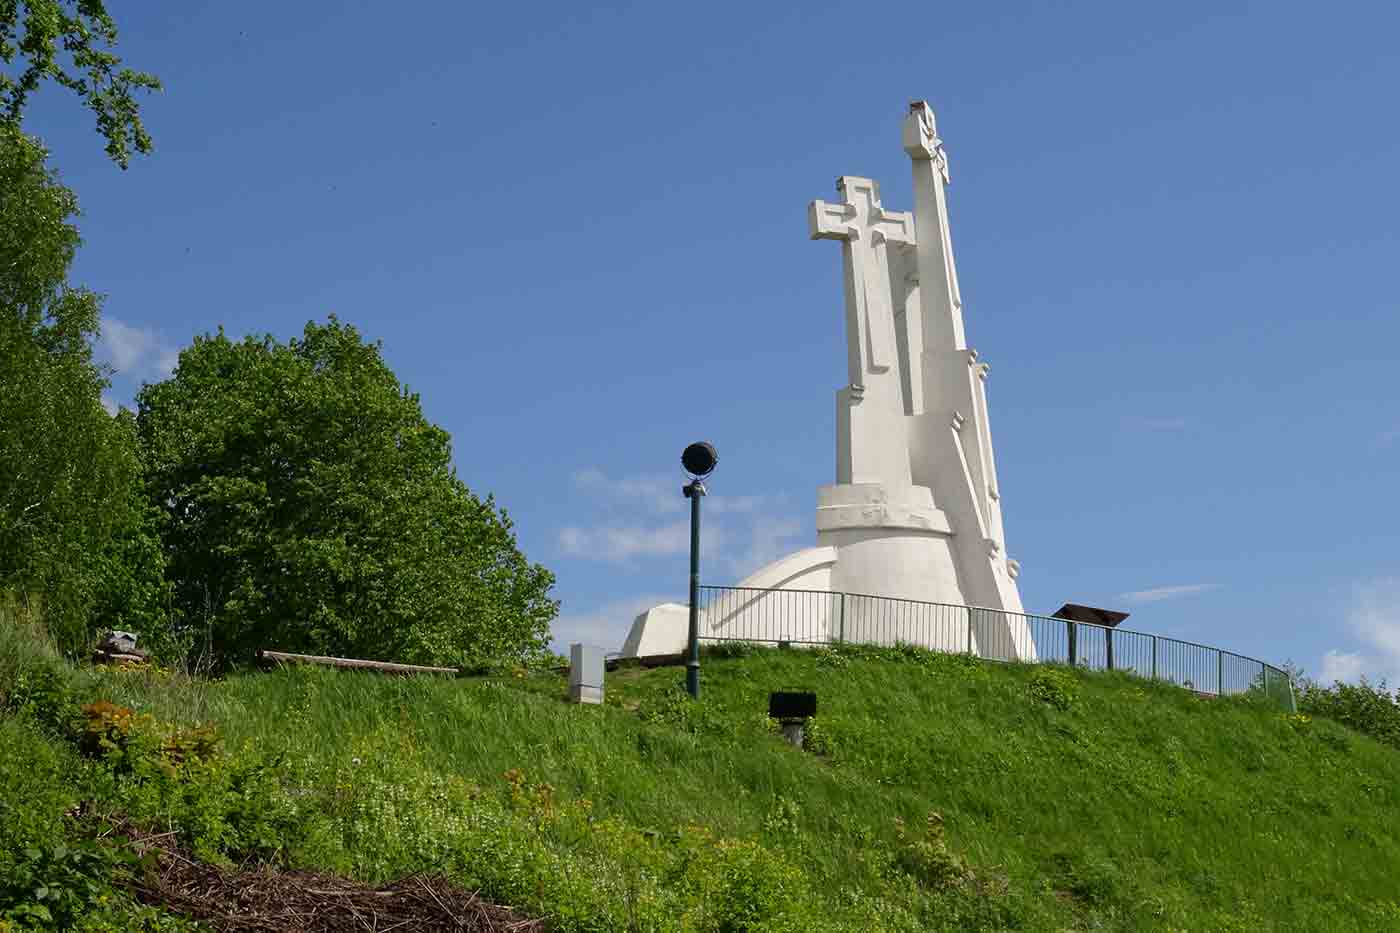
{"x": 890, "y": 551}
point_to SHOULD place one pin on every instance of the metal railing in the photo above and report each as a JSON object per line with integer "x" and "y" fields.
{"x": 816, "y": 617}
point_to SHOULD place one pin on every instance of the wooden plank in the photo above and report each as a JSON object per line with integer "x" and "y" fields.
{"x": 111, "y": 657}
{"x": 387, "y": 667}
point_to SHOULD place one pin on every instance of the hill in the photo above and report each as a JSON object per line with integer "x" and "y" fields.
{"x": 937, "y": 792}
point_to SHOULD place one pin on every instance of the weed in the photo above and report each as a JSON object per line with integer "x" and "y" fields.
{"x": 927, "y": 859}
{"x": 782, "y": 818}
{"x": 1058, "y": 688}
{"x": 731, "y": 649}
{"x": 817, "y": 738}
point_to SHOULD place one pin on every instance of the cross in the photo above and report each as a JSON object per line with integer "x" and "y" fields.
{"x": 864, "y": 229}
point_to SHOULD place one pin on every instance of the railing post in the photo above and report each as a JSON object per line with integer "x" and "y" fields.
{"x": 970, "y": 648}
{"x": 1108, "y": 646}
{"x": 842, "y": 636}
{"x": 1154, "y": 657}
{"x": 1219, "y": 673}
{"x": 1073, "y": 652}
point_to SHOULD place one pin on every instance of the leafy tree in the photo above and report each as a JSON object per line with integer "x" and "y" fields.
{"x": 34, "y": 31}
{"x": 74, "y": 524}
{"x": 311, "y": 506}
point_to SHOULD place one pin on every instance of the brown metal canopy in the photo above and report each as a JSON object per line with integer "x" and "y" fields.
{"x": 1077, "y": 613}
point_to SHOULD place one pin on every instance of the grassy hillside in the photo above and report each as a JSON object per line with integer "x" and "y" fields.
{"x": 937, "y": 792}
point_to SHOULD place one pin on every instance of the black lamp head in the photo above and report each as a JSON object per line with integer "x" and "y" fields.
{"x": 699, "y": 459}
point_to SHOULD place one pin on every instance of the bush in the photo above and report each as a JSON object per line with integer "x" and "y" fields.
{"x": 736, "y": 885}
{"x": 927, "y": 859}
{"x": 817, "y": 738}
{"x": 1056, "y": 687}
{"x": 52, "y": 874}
{"x": 34, "y": 681}
{"x": 1367, "y": 708}
{"x": 1090, "y": 877}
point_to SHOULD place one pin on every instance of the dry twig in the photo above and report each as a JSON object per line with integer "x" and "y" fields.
{"x": 262, "y": 900}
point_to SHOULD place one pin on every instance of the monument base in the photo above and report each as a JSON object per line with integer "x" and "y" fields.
{"x": 884, "y": 571}
{"x": 662, "y": 629}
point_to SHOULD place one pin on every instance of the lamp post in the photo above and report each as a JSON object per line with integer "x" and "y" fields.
{"x": 699, "y": 460}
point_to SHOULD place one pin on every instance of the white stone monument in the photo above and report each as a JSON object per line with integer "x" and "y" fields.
{"x": 915, "y": 513}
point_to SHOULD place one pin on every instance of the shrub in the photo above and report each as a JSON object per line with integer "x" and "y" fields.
{"x": 1092, "y": 878}
{"x": 817, "y": 738}
{"x": 1367, "y": 708}
{"x": 1056, "y": 687}
{"x": 34, "y": 681}
{"x": 53, "y": 874}
{"x": 927, "y": 859}
{"x": 735, "y": 885}
{"x": 676, "y": 708}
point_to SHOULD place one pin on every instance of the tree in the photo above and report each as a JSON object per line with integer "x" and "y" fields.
{"x": 311, "y": 506}
{"x": 35, "y": 30}
{"x": 75, "y": 528}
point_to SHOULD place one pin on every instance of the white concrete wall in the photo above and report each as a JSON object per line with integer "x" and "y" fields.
{"x": 802, "y": 613}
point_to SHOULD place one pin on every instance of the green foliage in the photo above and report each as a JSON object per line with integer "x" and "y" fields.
{"x": 74, "y": 524}
{"x": 65, "y": 885}
{"x": 34, "y": 681}
{"x": 817, "y": 739}
{"x": 80, "y": 28}
{"x": 310, "y": 506}
{"x": 53, "y": 874}
{"x": 840, "y": 656}
{"x": 729, "y": 649}
{"x": 1091, "y": 877}
{"x": 926, "y": 857}
{"x": 1368, "y": 708}
{"x": 946, "y": 802}
{"x": 735, "y": 885}
{"x": 675, "y": 709}
{"x": 1057, "y": 687}
{"x": 44, "y": 694}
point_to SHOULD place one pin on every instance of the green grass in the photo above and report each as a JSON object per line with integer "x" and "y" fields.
{"x": 1068, "y": 800}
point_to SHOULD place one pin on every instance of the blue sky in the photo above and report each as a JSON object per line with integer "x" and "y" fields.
{"x": 580, "y": 233}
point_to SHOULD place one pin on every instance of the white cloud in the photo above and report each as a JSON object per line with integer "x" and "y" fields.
{"x": 1167, "y": 592}
{"x": 646, "y": 517}
{"x": 1374, "y": 619}
{"x": 622, "y": 543}
{"x": 660, "y": 494}
{"x": 111, "y": 406}
{"x": 1337, "y": 665}
{"x": 736, "y": 505}
{"x": 655, "y": 493}
{"x": 125, "y": 345}
{"x": 607, "y": 625}
{"x": 136, "y": 352}
{"x": 167, "y": 361}
{"x": 768, "y": 540}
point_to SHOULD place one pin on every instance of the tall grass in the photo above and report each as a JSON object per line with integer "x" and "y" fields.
{"x": 25, "y": 644}
{"x": 1096, "y": 800}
